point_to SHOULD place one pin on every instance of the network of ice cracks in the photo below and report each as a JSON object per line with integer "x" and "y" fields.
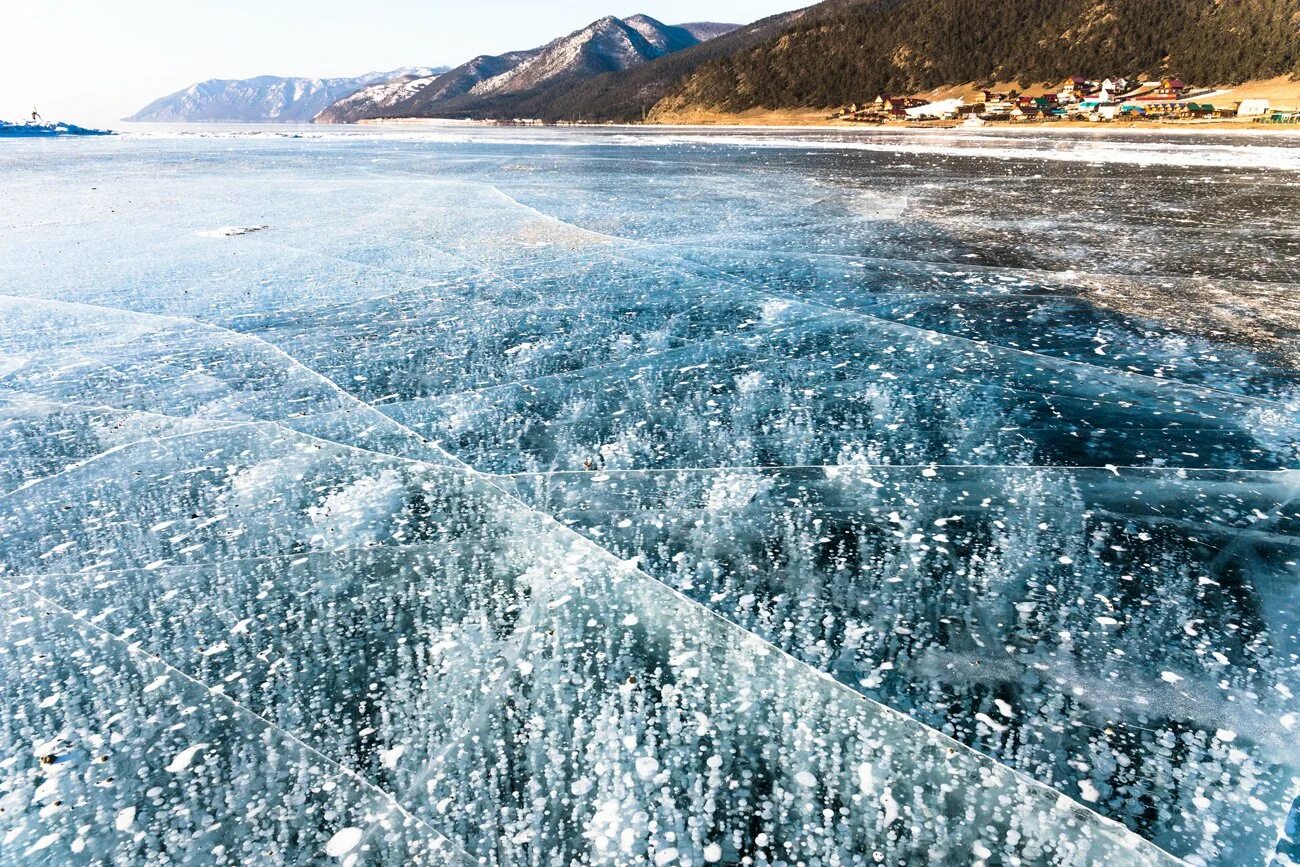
{"x": 571, "y": 502}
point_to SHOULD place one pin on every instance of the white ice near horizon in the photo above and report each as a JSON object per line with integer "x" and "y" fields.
{"x": 1228, "y": 149}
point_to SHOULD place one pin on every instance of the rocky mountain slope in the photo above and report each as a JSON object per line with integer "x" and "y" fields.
{"x": 267, "y": 98}
{"x": 500, "y": 86}
{"x": 703, "y": 31}
{"x": 630, "y": 94}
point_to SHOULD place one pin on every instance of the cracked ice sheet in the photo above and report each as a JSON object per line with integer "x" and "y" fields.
{"x": 1036, "y": 311}
{"x": 946, "y": 298}
{"x": 253, "y": 490}
{"x": 634, "y": 709}
{"x": 992, "y": 303}
{"x": 546, "y": 645}
{"x": 113, "y": 756}
{"x": 823, "y": 390}
{"x": 1122, "y": 635}
{"x": 39, "y": 438}
{"x": 303, "y": 641}
{"x": 1043, "y": 312}
{"x": 911, "y": 205}
{"x": 164, "y": 366}
{"x": 369, "y": 224}
{"x": 911, "y": 215}
{"x": 732, "y": 698}
{"x": 364, "y": 240}
{"x": 413, "y": 347}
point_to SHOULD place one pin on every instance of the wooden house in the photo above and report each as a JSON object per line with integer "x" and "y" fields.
{"x": 1169, "y": 90}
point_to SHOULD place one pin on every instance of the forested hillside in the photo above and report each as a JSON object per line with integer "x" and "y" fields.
{"x": 843, "y": 52}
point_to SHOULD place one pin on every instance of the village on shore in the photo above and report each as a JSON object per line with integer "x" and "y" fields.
{"x": 1078, "y": 99}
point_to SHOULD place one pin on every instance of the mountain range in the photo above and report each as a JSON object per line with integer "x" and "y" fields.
{"x": 830, "y": 54}
{"x": 508, "y": 84}
{"x": 267, "y": 98}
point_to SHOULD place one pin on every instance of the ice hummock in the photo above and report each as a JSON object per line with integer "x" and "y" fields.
{"x": 45, "y": 129}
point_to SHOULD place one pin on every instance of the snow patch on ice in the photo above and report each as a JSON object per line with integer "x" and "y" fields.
{"x": 230, "y": 231}
{"x": 357, "y": 513}
{"x": 343, "y": 842}
{"x": 184, "y": 758}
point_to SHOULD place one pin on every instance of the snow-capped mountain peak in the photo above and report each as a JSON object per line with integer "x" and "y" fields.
{"x": 606, "y": 45}
{"x": 263, "y": 98}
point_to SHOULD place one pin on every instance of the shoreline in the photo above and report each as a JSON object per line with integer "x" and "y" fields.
{"x": 784, "y": 121}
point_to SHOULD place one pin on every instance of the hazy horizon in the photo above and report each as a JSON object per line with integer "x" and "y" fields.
{"x": 86, "y": 63}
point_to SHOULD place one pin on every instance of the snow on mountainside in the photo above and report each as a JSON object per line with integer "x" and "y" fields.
{"x": 378, "y": 99}
{"x": 486, "y": 82}
{"x": 675, "y": 37}
{"x": 607, "y": 45}
{"x": 384, "y": 93}
{"x": 266, "y": 98}
{"x": 703, "y": 31}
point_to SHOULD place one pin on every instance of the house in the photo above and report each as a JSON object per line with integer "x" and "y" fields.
{"x": 1166, "y": 90}
{"x": 898, "y": 105}
{"x": 1154, "y": 109}
{"x": 892, "y": 105}
{"x": 1000, "y": 104}
{"x": 1252, "y": 108}
{"x": 1077, "y": 88}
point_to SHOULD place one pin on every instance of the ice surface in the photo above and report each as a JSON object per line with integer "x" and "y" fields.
{"x": 116, "y": 757}
{"x": 1012, "y": 609}
{"x": 605, "y": 498}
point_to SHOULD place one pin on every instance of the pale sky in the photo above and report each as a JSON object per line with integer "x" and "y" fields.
{"x": 95, "y": 61}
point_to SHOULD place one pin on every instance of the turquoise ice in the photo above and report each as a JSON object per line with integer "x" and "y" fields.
{"x": 597, "y": 497}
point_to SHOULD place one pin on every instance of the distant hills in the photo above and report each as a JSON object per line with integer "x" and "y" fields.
{"x": 831, "y": 54}
{"x": 522, "y": 83}
{"x": 267, "y": 98}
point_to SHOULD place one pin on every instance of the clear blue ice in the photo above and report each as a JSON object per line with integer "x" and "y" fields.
{"x": 557, "y": 497}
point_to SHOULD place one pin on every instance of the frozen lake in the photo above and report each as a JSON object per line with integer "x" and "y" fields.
{"x": 521, "y": 496}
